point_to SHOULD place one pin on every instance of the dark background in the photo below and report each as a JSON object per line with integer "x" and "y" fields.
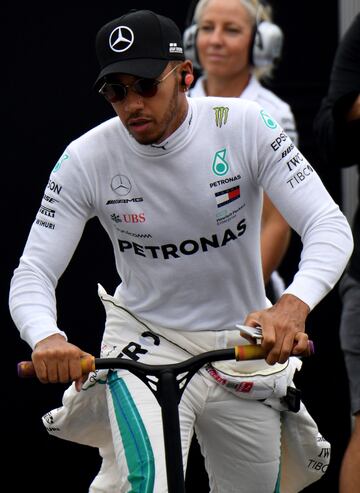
{"x": 48, "y": 69}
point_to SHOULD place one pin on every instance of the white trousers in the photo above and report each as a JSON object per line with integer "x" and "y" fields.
{"x": 239, "y": 435}
{"x": 239, "y": 438}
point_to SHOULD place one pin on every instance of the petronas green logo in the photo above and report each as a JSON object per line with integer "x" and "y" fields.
{"x": 221, "y": 115}
{"x": 59, "y": 163}
{"x": 220, "y": 167}
{"x": 268, "y": 120}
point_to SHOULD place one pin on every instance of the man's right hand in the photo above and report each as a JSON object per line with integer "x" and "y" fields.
{"x": 58, "y": 361}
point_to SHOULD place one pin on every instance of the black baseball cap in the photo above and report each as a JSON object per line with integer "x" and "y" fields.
{"x": 139, "y": 43}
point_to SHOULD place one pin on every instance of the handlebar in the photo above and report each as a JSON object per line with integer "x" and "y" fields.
{"x": 26, "y": 369}
{"x": 171, "y": 381}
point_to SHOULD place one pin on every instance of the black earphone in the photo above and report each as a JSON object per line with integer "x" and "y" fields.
{"x": 265, "y": 48}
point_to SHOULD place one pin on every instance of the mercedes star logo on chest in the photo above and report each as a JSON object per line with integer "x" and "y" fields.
{"x": 120, "y": 184}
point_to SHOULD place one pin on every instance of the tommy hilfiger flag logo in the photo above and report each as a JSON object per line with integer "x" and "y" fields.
{"x": 226, "y": 196}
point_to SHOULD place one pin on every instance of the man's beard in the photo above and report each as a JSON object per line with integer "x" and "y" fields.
{"x": 167, "y": 120}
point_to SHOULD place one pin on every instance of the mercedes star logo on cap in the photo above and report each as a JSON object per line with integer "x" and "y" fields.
{"x": 121, "y": 39}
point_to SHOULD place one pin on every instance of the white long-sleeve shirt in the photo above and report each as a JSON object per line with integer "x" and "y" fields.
{"x": 184, "y": 219}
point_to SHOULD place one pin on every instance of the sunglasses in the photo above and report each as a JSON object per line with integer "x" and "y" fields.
{"x": 147, "y": 88}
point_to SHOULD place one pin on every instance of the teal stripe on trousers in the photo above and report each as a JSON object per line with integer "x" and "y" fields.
{"x": 136, "y": 442}
{"x": 277, "y": 486}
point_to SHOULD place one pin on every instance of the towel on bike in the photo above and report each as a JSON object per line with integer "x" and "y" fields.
{"x": 305, "y": 454}
{"x": 83, "y": 417}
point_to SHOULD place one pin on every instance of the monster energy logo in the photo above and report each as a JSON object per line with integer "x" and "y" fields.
{"x": 221, "y": 115}
{"x": 268, "y": 120}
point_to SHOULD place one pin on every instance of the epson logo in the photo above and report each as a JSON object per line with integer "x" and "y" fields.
{"x": 278, "y": 142}
{"x": 54, "y": 187}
